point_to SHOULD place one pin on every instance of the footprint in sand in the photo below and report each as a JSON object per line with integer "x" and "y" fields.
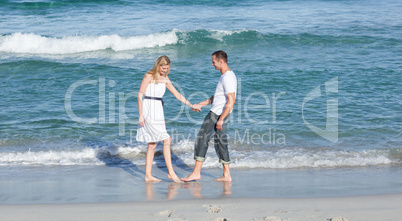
{"x": 166, "y": 213}
{"x": 337, "y": 219}
{"x": 213, "y": 208}
{"x": 220, "y": 219}
{"x": 176, "y": 219}
{"x": 273, "y": 218}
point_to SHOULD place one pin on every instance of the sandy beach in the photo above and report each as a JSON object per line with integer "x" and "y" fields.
{"x": 382, "y": 207}
{"x": 114, "y": 193}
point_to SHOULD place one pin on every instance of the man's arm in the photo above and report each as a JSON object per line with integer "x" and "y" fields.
{"x": 197, "y": 107}
{"x": 228, "y": 108}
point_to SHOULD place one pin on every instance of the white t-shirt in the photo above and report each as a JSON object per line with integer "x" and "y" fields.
{"x": 227, "y": 84}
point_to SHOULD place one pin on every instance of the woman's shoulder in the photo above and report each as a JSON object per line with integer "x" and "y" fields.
{"x": 148, "y": 77}
{"x": 166, "y": 79}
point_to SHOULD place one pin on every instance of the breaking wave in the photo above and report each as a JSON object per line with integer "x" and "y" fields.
{"x": 182, "y": 154}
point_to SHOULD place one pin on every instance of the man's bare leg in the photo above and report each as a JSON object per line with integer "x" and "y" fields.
{"x": 196, "y": 174}
{"x": 226, "y": 174}
{"x": 148, "y": 163}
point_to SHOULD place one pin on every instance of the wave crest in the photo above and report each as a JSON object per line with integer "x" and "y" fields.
{"x": 36, "y": 44}
{"x": 182, "y": 154}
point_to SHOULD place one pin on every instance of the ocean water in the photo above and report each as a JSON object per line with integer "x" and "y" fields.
{"x": 319, "y": 81}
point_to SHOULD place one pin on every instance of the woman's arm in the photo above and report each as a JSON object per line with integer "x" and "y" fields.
{"x": 144, "y": 84}
{"x": 175, "y": 93}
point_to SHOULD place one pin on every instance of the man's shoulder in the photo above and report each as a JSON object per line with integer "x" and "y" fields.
{"x": 229, "y": 75}
{"x": 230, "y": 72}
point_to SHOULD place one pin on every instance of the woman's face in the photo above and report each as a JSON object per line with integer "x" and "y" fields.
{"x": 164, "y": 68}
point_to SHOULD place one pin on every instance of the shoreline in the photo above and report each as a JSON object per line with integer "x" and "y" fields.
{"x": 124, "y": 183}
{"x": 376, "y": 207}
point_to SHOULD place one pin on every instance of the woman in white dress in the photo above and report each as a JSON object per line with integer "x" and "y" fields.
{"x": 151, "y": 128}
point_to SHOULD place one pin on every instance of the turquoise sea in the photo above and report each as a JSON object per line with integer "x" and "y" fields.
{"x": 319, "y": 94}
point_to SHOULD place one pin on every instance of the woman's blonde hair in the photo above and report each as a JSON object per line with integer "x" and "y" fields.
{"x": 162, "y": 60}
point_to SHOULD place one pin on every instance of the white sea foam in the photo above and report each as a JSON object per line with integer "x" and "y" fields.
{"x": 285, "y": 158}
{"x": 219, "y": 34}
{"x": 86, "y": 156}
{"x": 289, "y": 158}
{"x": 302, "y": 158}
{"x": 34, "y": 44}
{"x": 30, "y": 43}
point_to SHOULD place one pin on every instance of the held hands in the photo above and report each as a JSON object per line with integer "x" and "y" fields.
{"x": 196, "y": 107}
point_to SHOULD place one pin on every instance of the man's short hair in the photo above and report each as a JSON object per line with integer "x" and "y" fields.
{"x": 221, "y": 55}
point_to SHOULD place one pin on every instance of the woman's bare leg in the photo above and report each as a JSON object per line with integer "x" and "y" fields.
{"x": 168, "y": 159}
{"x": 148, "y": 163}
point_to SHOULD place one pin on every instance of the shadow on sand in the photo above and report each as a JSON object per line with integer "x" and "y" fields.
{"x": 128, "y": 166}
{"x": 122, "y": 163}
{"x": 176, "y": 161}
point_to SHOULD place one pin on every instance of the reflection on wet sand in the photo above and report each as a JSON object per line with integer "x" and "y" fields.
{"x": 227, "y": 189}
{"x": 148, "y": 190}
{"x": 194, "y": 188}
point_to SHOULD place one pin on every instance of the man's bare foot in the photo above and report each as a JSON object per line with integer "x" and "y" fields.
{"x": 224, "y": 179}
{"x": 175, "y": 178}
{"x": 191, "y": 177}
{"x": 152, "y": 179}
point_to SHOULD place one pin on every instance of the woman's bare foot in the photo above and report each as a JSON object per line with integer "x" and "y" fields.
{"x": 191, "y": 177}
{"x": 224, "y": 179}
{"x": 175, "y": 178}
{"x": 152, "y": 179}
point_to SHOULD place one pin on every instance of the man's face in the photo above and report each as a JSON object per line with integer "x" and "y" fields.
{"x": 216, "y": 63}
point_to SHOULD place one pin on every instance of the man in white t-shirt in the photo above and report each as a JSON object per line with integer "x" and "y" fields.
{"x": 215, "y": 123}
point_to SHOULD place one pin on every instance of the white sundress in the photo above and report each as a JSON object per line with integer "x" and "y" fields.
{"x": 154, "y": 129}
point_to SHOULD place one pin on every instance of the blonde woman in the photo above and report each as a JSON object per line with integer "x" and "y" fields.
{"x": 151, "y": 128}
